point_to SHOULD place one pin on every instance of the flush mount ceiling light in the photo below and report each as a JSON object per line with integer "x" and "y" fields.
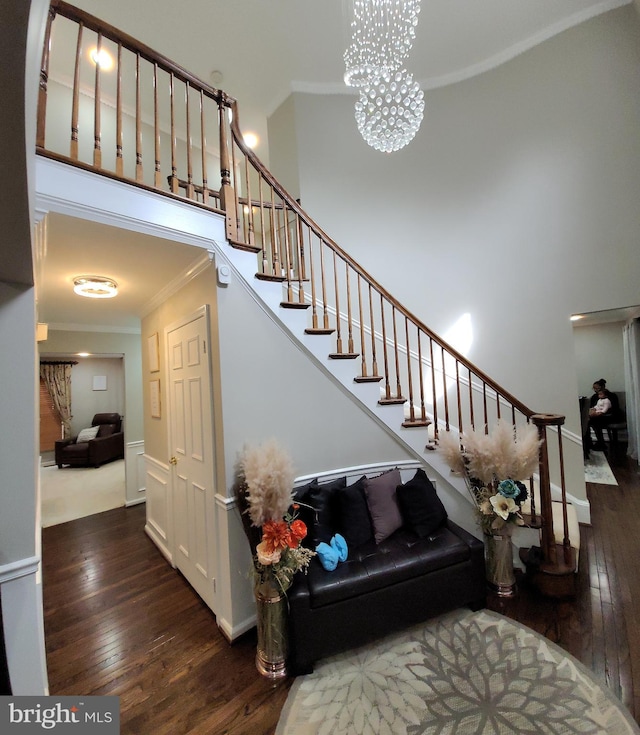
{"x": 95, "y": 287}
{"x": 390, "y": 109}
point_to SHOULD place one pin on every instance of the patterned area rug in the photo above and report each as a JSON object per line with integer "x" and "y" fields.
{"x": 461, "y": 674}
{"x": 596, "y": 469}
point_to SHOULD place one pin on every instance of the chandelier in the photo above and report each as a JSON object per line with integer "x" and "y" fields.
{"x": 390, "y": 107}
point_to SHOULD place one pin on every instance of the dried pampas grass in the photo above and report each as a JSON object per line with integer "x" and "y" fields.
{"x": 504, "y": 453}
{"x": 268, "y": 479}
{"x": 451, "y": 451}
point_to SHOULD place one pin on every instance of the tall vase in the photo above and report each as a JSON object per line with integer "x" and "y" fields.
{"x": 271, "y": 654}
{"x": 499, "y": 564}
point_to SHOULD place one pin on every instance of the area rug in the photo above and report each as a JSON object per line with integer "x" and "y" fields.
{"x": 461, "y": 674}
{"x": 596, "y": 469}
{"x": 76, "y": 492}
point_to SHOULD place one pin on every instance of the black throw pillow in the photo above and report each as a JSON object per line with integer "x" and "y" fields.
{"x": 421, "y": 508}
{"x": 355, "y": 521}
{"x": 324, "y": 501}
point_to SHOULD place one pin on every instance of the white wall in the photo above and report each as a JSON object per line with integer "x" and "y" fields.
{"x": 518, "y": 202}
{"x": 599, "y": 354}
{"x": 21, "y": 33}
{"x": 271, "y": 389}
{"x": 518, "y": 196}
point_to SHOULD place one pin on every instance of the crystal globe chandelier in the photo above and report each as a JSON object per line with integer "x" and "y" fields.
{"x": 390, "y": 108}
{"x": 382, "y": 33}
{"x": 389, "y": 112}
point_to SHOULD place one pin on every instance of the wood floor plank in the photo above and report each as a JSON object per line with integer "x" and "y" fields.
{"x": 120, "y": 621}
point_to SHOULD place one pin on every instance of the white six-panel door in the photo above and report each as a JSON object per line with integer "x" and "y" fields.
{"x": 191, "y": 453}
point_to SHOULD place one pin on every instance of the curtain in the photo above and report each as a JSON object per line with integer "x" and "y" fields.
{"x": 57, "y": 378}
{"x": 631, "y": 346}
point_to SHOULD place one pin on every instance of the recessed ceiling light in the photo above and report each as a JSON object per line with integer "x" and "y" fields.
{"x": 101, "y": 58}
{"x": 83, "y": 354}
{"x": 575, "y": 317}
{"x": 95, "y": 287}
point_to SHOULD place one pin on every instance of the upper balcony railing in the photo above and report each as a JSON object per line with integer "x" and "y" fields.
{"x": 148, "y": 122}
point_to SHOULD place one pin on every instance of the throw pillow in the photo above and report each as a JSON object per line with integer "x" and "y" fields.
{"x": 420, "y": 505}
{"x": 383, "y": 504}
{"x": 323, "y": 499}
{"x": 355, "y": 520}
{"x": 87, "y": 434}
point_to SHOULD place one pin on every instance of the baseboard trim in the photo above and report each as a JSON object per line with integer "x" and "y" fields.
{"x": 231, "y": 632}
{"x": 158, "y": 541}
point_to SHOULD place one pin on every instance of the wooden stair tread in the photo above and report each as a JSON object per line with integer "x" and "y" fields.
{"x": 294, "y": 305}
{"x": 267, "y": 277}
{"x": 416, "y": 423}
{"x": 367, "y": 378}
{"x": 318, "y": 330}
{"x": 343, "y": 355}
{"x": 392, "y": 401}
{"x": 245, "y": 246}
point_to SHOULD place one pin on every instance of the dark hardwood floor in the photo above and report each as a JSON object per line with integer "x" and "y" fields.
{"x": 119, "y": 620}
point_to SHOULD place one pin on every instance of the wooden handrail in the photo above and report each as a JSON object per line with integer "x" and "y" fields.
{"x": 133, "y": 44}
{"x": 294, "y": 206}
{"x": 262, "y": 217}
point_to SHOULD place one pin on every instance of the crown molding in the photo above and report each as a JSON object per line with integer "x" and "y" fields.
{"x": 468, "y": 72}
{"x": 107, "y": 328}
{"x": 197, "y": 267}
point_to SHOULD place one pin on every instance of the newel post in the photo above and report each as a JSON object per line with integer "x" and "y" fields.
{"x": 552, "y": 570}
{"x": 44, "y": 81}
{"x": 227, "y": 194}
{"x": 547, "y": 541}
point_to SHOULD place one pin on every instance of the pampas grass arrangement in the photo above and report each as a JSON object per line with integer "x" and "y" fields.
{"x": 503, "y": 453}
{"x": 264, "y": 493}
{"x": 494, "y": 466}
{"x": 268, "y": 476}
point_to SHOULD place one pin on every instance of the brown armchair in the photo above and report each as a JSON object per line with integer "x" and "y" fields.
{"x": 107, "y": 445}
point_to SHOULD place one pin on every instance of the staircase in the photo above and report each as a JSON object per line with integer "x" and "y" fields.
{"x": 416, "y": 436}
{"x": 409, "y": 380}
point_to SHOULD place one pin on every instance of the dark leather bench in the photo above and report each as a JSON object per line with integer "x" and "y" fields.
{"x": 382, "y": 588}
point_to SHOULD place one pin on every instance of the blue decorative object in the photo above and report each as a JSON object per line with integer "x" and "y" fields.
{"x": 339, "y": 545}
{"x": 328, "y": 556}
{"x": 333, "y": 552}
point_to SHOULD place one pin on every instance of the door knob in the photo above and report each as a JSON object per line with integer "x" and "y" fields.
{"x": 173, "y": 460}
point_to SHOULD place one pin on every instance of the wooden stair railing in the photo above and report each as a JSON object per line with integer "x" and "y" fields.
{"x": 151, "y": 116}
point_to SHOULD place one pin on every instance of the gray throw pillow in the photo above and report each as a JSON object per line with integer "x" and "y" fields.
{"x": 383, "y": 504}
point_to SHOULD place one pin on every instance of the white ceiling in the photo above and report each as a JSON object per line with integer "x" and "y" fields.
{"x": 143, "y": 267}
{"x": 265, "y": 49}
